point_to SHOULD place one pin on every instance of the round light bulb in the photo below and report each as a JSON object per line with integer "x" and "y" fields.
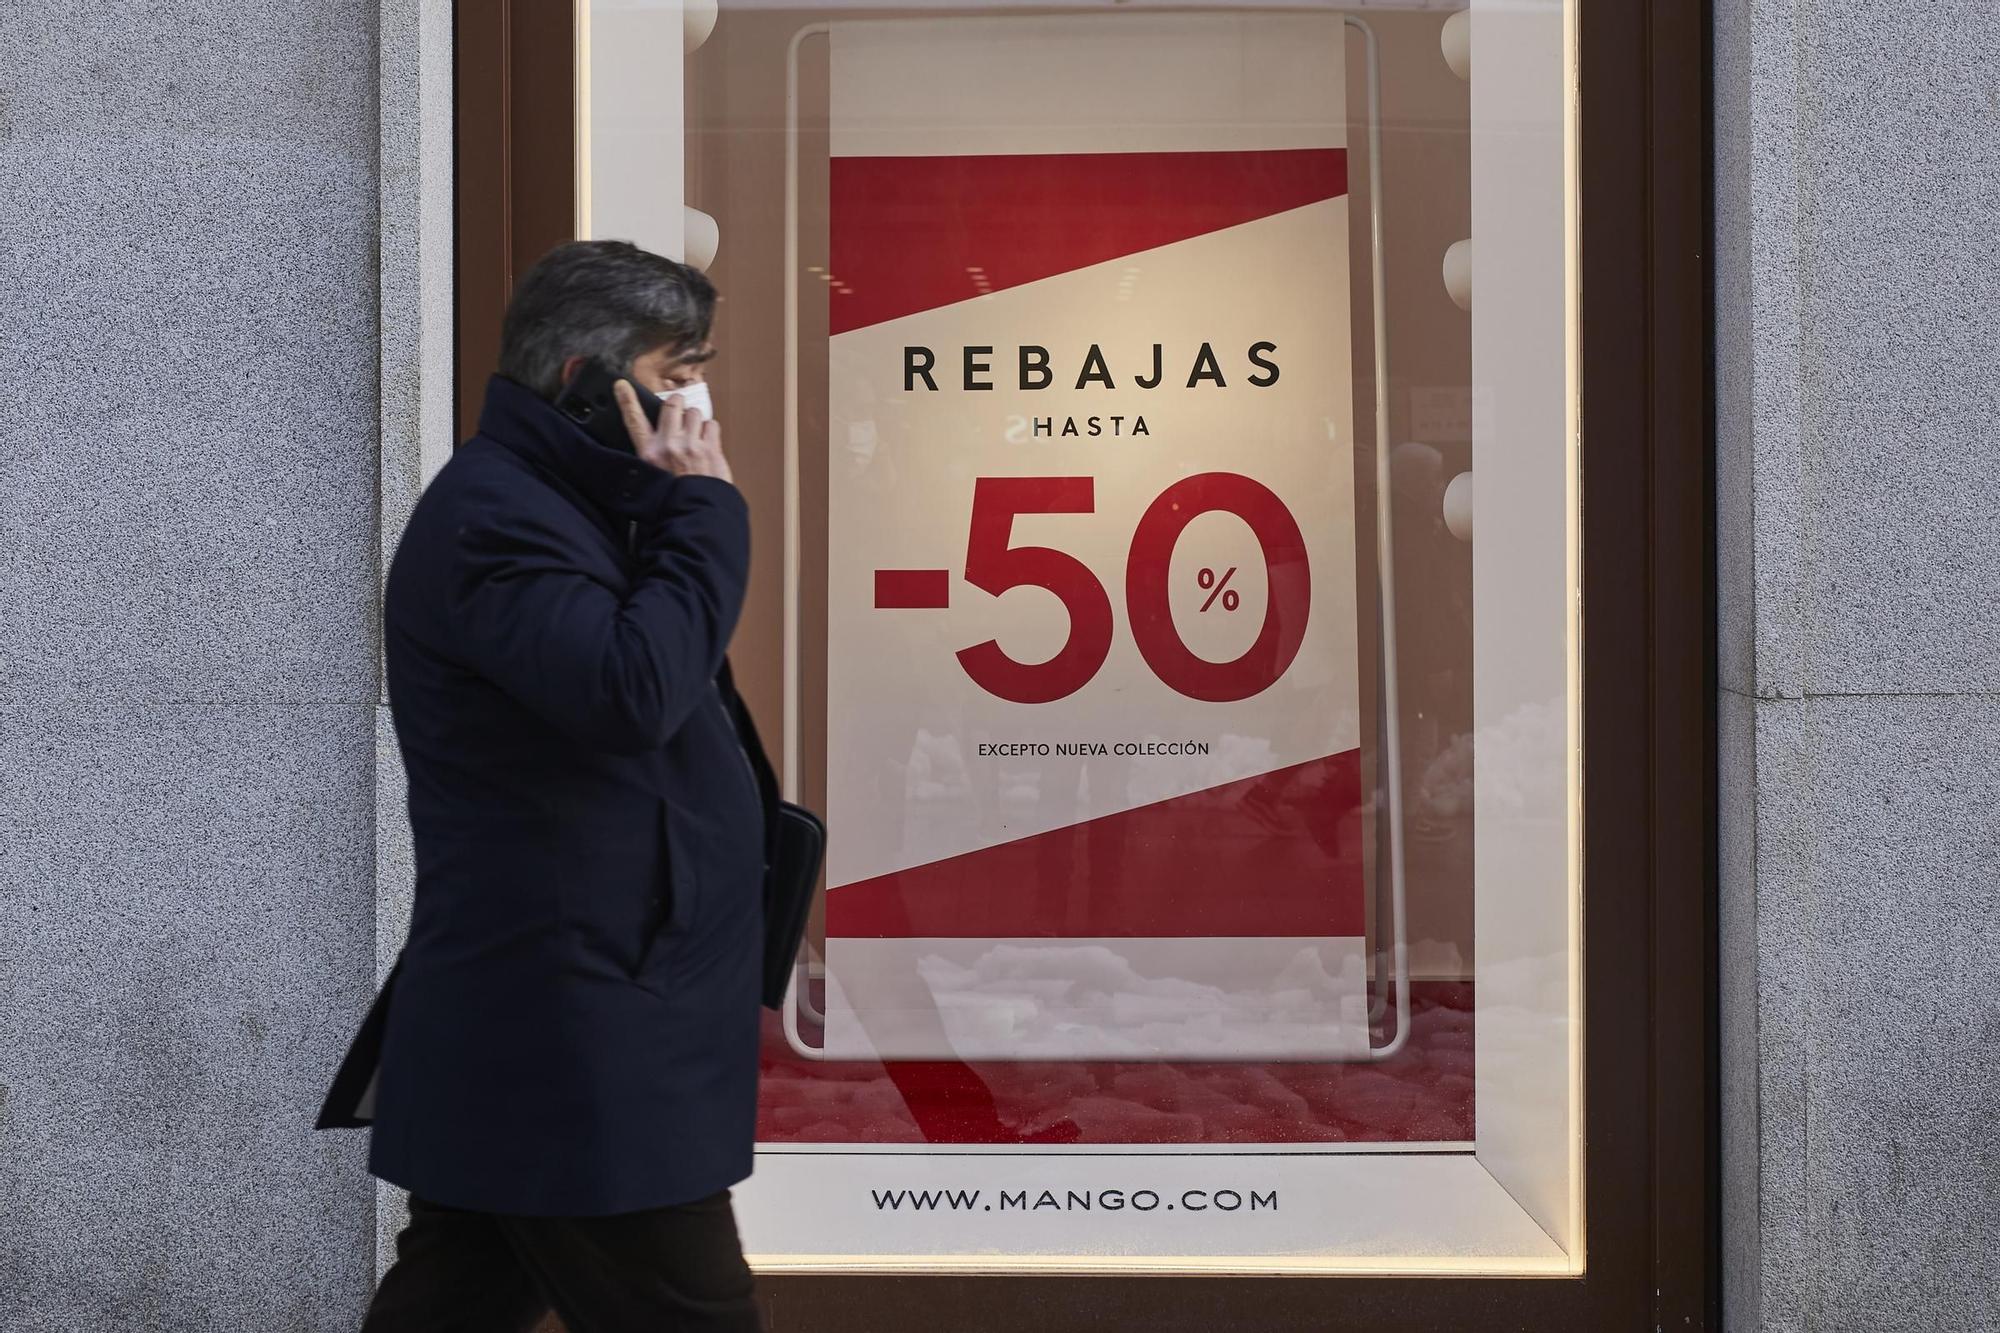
{"x": 1455, "y": 40}
{"x": 697, "y": 22}
{"x": 1458, "y": 507}
{"x": 1457, "y": 270}
{"x": 703, "y": 238}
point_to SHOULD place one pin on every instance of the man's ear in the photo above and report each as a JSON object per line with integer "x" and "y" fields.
{"x": 569, "y": 369}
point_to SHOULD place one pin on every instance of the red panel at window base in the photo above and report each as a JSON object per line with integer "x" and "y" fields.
{"x": 1423, "y": 1094}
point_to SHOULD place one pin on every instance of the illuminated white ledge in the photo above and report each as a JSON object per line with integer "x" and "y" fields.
{"x": 1365, "y": 1213}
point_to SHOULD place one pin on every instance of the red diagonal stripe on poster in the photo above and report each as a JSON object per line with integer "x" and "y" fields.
{"x": 915, "y": 233}
{"x": 1278, "y": 854}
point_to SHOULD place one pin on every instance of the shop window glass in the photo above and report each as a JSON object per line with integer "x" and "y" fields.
{"x": 1109, "y": 384}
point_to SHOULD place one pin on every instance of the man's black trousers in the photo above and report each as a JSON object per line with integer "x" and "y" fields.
{"x": 659, "y": 1271}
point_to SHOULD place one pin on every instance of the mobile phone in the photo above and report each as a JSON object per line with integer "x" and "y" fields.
{"x": 588, "y": 401}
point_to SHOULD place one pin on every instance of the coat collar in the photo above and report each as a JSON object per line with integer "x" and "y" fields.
{"x": 529, "y": 426}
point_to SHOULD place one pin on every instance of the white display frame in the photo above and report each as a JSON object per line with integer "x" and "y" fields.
{"x": 806, "y": 970}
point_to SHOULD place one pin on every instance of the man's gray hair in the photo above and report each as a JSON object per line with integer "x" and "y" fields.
{"x": 605, "y": 300}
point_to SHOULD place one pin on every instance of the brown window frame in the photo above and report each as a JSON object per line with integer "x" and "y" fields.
{"x": 1650, "y": 1156}
{"x": 514, "y": 186}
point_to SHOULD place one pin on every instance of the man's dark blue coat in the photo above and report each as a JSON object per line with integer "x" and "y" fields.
{"x": 572, "y": 1028}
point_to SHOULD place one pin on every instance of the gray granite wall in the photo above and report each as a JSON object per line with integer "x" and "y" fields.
{"x": 221, "y": 310}
{"x": 1858, "y": 420}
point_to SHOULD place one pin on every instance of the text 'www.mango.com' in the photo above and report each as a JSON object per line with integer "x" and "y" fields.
{"x": 1075, "y": 1201}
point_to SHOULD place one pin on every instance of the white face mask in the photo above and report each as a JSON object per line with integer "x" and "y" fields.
{"x": 694, "y": 396}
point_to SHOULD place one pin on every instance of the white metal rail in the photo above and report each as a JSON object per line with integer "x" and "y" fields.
{"x": 1392, "y": 760}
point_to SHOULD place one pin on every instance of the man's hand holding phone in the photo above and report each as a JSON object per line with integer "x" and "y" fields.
{"x": 682, "y": 443}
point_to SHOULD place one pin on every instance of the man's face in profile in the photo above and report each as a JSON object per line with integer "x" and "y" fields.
{"x": 665, "y": 370}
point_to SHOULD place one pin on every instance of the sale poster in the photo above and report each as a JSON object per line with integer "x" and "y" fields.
{"x": 1093, "y": 765}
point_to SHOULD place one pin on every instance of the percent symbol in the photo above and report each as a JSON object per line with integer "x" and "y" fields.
{"x": 1207, "y": 579}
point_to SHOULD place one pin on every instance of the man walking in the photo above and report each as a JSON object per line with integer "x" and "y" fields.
{"x": 562, "y": 1069}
